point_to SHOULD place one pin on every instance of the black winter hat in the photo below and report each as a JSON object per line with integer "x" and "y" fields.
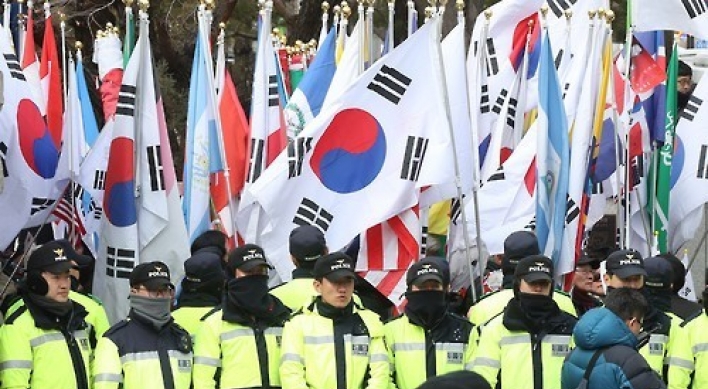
{"x": 518, "y": 245}
{"x": 660, "y": 273}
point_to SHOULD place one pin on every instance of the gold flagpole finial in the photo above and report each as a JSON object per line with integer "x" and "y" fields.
{"x": 544, "y": 12}
{"x": 144, "y": 5}
{"x": 610, "y": 16}
{"x": 488, "y": 14}
{"x": 591, "y": 14}
{"x": 346, "y": 11}
{"x": 78, "y": 45}
{"x": 568, "y": 14}
{"x": 460, "y": 5}
{"x": 325, "y": 7}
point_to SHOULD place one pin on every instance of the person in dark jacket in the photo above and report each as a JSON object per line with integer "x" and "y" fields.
{"x": 680, "y": 306}
{"x": 611, "y": 330}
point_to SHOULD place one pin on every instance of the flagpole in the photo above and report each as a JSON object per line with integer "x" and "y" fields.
{"x": 22, "y": 30}
{"x": 411, "y": 9}
{"x": 143, "y": 6}
{"x": 370, "y": 30}
{"x": 6, "y": 18}
{"x": 460, "y": 5}
{"x": 204, "y": 22}
{"x": 391, "y": 14}
{"x": 625, "y": 150}
{"x": 475, "y": 164}
{"x": 336, "y": 10}
{"x": 62, "y": 28}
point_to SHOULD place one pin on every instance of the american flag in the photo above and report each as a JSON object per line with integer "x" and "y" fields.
{"x": 68, "y": 210}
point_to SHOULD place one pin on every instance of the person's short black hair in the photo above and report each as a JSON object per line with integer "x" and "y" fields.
{"x": 626, "y": 303}
{"x": 684, "y": 69}
{"x": 462, "y": 379}
{"x": 679, "y": 271}
{"x": 209, "y": 238}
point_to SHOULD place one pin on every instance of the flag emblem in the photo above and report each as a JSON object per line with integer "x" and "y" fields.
{"x": 694, "y": 103}
{"x": 38, "y": 148}
{"x": 119, "y": 197}
{"x": 350, "y": 153}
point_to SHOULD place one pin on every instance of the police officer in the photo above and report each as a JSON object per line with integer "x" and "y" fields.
{"x": 96, "y": 317}
{"x": 526, "y": 345}
{"x": 146, "y": 350}
{"x": 662, "y": 341}
{"x": 307, "y": 244}
{"x": 244, "y": 337}
{"x": 334, "y": 343}
{"x": 428, "y": 340}
{"x": 678, "y": 366}
{"x": 202, "y": 289}
{"x": 44, "y": 342}
{"x": 517, "y": 246}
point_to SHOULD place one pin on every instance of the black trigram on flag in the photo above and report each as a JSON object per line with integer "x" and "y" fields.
{"x": 694, "y": 104}
{"x": 14, "y": 65}
{"x": 126, "y": 101}
{"x": 531, "y": 225}
{"x": 119, "y": 262}
{"x": 455, "y": 210}
{"x": 491, "y": 59}
{"x": 498, "y": 175}
{"x": 255, "y": 167}
{"x": 695, "y": 8}
{"x": 413, "y": 159}
{"x": 558, "y": 7}
{"x": 39, "y": 204}
{"x": 484, "y": 105}
{"x": 157, "y": 174}
{"x": 424, "y": 241}
{"x": 273, "y": 97}
{"x": 95, "y": 210}
{"x": 99, "y": 180}
{"x": 296, "y": 152}
{"x": 565, "y": 89}
{"x": 702, "y": 171}
{"x": 309, "y": 213}
{"x": 499, "y": 103}
{"x": 559, "y": 58}
{"x": 3, "y": 155}
{"x": 390, "y": 84}
{"x": 511, "y": 114}
{"x": 571, "y": 211}
{"x": 598, "y": 188}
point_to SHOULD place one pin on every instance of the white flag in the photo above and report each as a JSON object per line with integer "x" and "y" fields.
{"x": 689, "y": 169}
{"x": 689, "y": 16}
{"x": 366, "y": 156}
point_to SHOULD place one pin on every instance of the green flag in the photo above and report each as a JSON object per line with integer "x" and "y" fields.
{"x": 129, "y": 41}
{"x": 663, "y": 180}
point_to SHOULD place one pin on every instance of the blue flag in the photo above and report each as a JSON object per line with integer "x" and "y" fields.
{"x": 553, "y": 158}
{"x": 307, "y": 100}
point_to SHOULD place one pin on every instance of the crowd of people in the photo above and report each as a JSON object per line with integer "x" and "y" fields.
{"x": 226, "y": 328}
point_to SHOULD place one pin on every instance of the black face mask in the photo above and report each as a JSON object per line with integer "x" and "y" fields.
{"x": 426, "y": 307}
{"x": 250, "y": 295}
{"x": 537, "y": 307}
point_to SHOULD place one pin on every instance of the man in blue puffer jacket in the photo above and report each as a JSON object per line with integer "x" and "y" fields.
{"x": 613, "y": 330}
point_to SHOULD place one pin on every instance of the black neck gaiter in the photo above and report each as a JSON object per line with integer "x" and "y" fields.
{"x": 426, "y": 308}
{"x": 250, "y": 295}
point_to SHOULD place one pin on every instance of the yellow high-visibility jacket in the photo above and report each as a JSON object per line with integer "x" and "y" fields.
{"x": 321, "y": 353}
